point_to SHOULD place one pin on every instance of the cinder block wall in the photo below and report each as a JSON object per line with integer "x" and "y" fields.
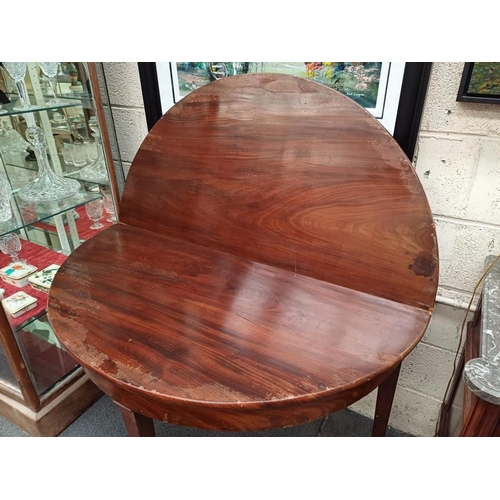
{"x": 458, "y": 162}
{"x": 127, "y": 106}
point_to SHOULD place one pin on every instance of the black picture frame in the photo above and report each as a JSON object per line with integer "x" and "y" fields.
{"x": 409, "y": 114}
{"x": 466, "y": 93}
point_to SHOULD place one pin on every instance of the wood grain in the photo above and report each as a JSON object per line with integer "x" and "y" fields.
{"x": 301, "y": 174}
{"x": 192, "y": 326}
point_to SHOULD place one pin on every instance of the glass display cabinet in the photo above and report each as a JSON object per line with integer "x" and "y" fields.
{"x": 59, "y": 186}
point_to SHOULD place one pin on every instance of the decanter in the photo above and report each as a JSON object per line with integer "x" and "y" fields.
{"x": 47, "y": 186}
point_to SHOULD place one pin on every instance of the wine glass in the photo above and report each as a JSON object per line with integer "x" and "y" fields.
{"x": 10, "y": 244}
{"x": 50, "y": 71}
{"x": 17, "y": 70}
{"x": 94, "y": 212}
{"x": 109, "y": 206}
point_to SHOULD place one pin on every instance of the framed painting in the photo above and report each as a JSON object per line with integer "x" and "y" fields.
{"x": 364, "y": 82}
{"x": 480, "y": 83}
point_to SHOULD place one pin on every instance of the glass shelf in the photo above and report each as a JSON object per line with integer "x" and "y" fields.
{"x": 22, "y": 172}
{"x": 30, "y": 171}
{"x": 30, "y": 320}
{"x": 30, "y": 213}
{"x": 7, "y": 109}
{"x": 75, "y": 175}
{"x": 80, "y": 96}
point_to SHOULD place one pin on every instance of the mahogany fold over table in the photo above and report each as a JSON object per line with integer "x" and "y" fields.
{"x": 275, "y": 261}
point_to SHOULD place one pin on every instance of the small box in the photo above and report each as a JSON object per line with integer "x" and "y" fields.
{"x": 42, "y": 280}
{"x": 19, "y": 303}
{"x": 17, "y": 273}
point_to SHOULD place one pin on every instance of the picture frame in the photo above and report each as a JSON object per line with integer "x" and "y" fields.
{"x": 366, "y": 83}
{"x": 480, "y": 83}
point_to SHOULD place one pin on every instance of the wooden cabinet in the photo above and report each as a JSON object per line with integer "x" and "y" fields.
{"x": 42, "y": 388}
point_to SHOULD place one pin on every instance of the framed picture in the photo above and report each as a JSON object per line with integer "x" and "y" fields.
{"x": 393, "y": 92}
{"x": 480, "y": 83}
{"x": 364, "y": 82}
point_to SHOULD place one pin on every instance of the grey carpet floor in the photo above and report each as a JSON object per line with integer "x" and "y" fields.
{"x": 103, "y": 419}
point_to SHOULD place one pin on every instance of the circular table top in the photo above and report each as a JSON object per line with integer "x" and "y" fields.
{"x": 276, "y": 256}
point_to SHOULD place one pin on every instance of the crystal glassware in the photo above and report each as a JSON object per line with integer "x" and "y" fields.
{"x": 5, "y": 194}
{"x": 109, "y": 206}
{"x": 79, "y": 154}
{"x": 94, "y": 212}
{"x": 47, "y": 186}
{"x": 17, "y": 70}
{"x": 10, "y": 244}
{"x": 50, "y": 71}
{"x": 96, "y": 171}
{"x": 67, "y": 155}
{"x": 91, "y": 148}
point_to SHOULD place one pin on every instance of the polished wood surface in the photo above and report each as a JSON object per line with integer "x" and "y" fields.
{"x": 275, "y": 261}
{"x": 290, "y": 173}
{"x": 191, "y": 324}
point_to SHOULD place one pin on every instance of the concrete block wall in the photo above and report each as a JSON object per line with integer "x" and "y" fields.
{"x": 458, "y": 161}
{"x": 127, "y": 105}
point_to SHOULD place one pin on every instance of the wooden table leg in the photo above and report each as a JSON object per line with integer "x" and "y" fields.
{"x": 385, "y": 397}
{"x": 137, "y": 425}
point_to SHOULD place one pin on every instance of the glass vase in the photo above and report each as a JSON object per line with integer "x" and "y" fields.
{"x": 47, "y": 186}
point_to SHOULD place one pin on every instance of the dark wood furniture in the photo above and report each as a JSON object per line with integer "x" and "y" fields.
{"x": 275, "y": 261}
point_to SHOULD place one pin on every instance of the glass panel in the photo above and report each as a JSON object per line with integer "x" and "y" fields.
{"x": 6, "y": 376}
{"x": 27, "y": 214}
{"x": 46, "y": 360}
{"x": 456, "y": 411}
{"x": 66, "y": 144}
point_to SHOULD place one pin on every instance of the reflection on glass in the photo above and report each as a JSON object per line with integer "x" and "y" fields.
{"x": 109, "y": 206}
{"x": 94, "y": 212}
{"x": 96, "y": 171}
{"x": 6, "y": 375}
{"x": 42, "y": 352}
